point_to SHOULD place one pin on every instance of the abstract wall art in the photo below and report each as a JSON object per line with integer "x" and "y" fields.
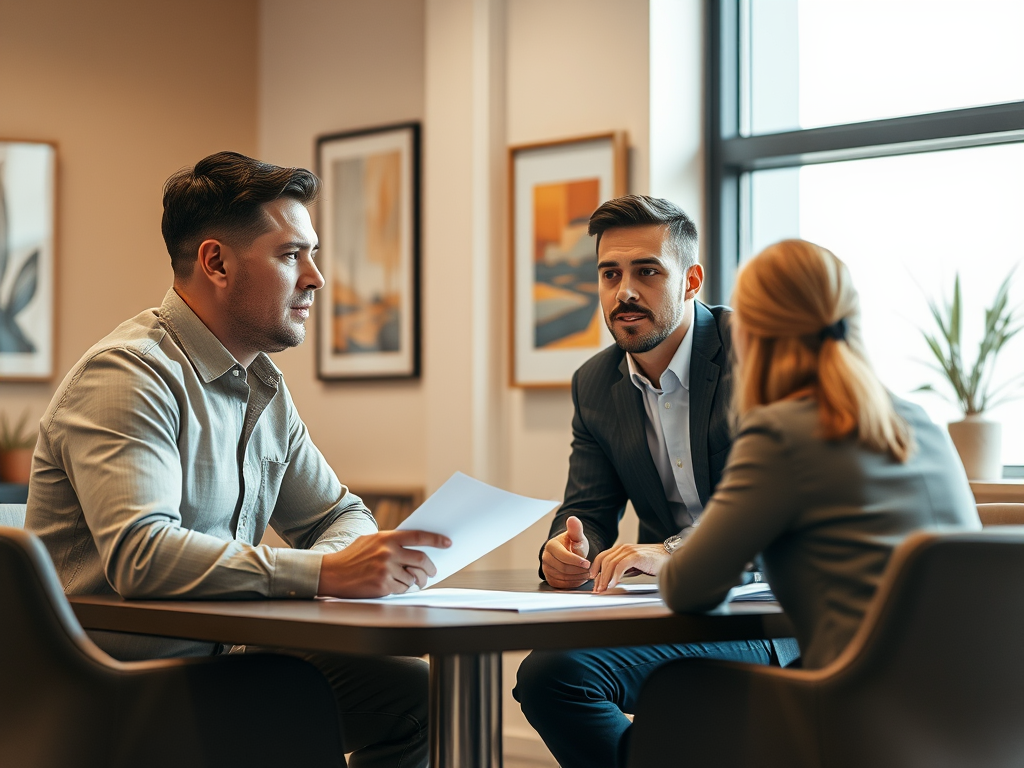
{"x": 556, "y": 315}
{"x": 27, "y": 257}
{"x": 368, "y": 223}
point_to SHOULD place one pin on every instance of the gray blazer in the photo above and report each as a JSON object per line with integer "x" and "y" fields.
{"x": 611, "y": 462}
{"x": 825, "y": 514}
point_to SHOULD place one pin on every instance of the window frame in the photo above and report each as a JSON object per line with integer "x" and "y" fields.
{"x": 729, "y": 155}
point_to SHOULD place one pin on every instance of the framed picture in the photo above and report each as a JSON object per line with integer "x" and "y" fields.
{"x": 27, "y": 256}
{"x": 557, "y": 322}
{"x": 367, "y": 316}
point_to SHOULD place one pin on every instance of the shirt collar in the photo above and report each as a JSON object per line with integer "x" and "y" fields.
{"x": 679, "y": 365}
{"x": 210, "y": 358}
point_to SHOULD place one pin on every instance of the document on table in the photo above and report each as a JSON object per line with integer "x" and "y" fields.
{"x": 755, "y": 592}
{"x": 477, "y": 518}
{"x": 496, "y": 600}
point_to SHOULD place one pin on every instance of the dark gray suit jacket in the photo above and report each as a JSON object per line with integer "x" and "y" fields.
{"x": 611, "y": 462}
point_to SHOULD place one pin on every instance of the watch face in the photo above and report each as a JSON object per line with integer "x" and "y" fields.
{"x": 672, "y": 543}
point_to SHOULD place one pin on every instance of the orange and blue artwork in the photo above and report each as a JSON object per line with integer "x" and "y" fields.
{"x": 566, "y": 308}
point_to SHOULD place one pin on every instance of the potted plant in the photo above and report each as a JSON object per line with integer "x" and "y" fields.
{"x": 977, "y": 439}
{"x": 16, "y": 447}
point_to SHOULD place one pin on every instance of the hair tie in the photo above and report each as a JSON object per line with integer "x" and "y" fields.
{"x": 835, "y": 331}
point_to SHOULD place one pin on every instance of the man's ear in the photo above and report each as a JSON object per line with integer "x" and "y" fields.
{"x": 694, "y": 280}
{"x": 211, "y": 262}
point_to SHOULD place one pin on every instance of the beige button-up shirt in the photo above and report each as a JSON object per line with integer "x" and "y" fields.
{"x": 161, "y": 461}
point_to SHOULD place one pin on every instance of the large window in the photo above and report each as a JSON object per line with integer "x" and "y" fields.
{"x": 892, "y": 133}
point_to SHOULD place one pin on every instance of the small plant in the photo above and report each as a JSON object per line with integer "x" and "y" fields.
{"x": 973, "y": 389}
{"x": 19, "y": 437}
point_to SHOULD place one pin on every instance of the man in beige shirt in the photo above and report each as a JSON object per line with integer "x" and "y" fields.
{"x": 174, "y": 442}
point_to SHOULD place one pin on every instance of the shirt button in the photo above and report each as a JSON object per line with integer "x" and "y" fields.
{"x": 679, "y": 463}
{"x": 668, "y": 405}
{"x": 234, "y": 372}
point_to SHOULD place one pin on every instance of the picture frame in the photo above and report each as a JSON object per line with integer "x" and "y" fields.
{"x": 28, "y": 216}
{"x": 368, "y": 220}
{"x": 556, "y": 322}
{"x": 390, "y": 504}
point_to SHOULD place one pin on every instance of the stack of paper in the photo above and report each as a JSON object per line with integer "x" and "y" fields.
{"x": 495, "y": 600}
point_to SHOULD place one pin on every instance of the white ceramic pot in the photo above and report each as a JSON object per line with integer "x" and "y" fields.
{"x": 980, "y": 445}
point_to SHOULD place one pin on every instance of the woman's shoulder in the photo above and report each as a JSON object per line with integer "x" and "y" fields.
{"x": 781, "y": 418}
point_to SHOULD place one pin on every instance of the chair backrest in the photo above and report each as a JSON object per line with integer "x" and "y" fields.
{"x": 47, "y": 663}
{"x": 63, "y": 701}
{"x": 31, "y": 598}
{"x": 936, "y": 675}
{"x": 1001, "y": 514}
{"x": 12, "y": 515}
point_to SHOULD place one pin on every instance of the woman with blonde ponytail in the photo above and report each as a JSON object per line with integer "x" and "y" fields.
{"x": 828, "y": 471}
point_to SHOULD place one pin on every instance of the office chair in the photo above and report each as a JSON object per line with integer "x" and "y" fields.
{"x": 64, "y": 702}
{"x": 1001, "y": 514}
{"x": 933, "y": 679}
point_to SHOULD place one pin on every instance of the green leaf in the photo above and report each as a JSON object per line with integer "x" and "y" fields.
{"x": 973, "y": 387}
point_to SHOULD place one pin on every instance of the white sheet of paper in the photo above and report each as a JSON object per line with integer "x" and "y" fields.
{"x": 636, "y": 589}
{"x": 477, "y": 518}
{"x": 496, "y": 600}
{"x": 755, "y": 592}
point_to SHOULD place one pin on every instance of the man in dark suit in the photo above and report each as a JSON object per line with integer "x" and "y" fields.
{"x": 651, "y": 426}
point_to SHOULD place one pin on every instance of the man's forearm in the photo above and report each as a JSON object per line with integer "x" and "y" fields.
{"x": 349, "y": 526}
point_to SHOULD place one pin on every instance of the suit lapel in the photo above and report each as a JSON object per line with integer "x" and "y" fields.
{"x": 641, "y": 474}
{"x": 703, "y": 383}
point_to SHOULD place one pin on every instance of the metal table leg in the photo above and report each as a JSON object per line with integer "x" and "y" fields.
{"x": 465, "y": 710}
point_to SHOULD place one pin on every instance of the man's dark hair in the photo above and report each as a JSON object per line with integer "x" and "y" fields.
{"x": 222, "y": 197}
{"x": 641, "y": 210}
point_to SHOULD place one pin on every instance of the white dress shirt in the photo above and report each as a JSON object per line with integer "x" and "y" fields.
{"x": 668, "y": 430}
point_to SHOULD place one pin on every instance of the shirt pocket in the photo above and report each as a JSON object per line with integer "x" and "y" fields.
{"x": 271, "y": 477}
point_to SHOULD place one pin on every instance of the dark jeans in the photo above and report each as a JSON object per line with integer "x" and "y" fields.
{"x": 576, "y": 699}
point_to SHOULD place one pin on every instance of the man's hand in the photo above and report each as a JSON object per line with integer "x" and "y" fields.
{"x": 379, "y": 564}
{"x": 564, "y": 561}
{"x": 611, "y": 565}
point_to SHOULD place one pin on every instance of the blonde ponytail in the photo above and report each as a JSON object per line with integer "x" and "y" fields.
{"x": 800, "y": 316}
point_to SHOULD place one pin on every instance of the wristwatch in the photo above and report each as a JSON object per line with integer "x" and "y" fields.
{"x": 672, "y": 543}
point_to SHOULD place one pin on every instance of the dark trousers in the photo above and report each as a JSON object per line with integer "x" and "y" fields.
{"x": 576, "y": 699}
{"x": 382, "y": 704}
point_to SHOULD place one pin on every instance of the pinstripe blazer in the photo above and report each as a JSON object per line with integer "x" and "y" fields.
{"x": 610, "y": 461}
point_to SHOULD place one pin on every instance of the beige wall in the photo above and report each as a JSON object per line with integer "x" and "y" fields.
{"x": 575, "y": 67}
{"x": 327, "y": 67}
{"x": 481, "y": 74}
{"x": 130, "y": 92}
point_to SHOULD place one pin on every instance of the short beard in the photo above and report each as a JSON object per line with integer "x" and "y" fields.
{"x": 633, "y": 341}
{"x": 636, "y": 343}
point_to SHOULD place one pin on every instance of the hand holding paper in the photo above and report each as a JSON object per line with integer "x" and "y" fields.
{"x": 379, "y": 564}
{"x": 476, "y": 517}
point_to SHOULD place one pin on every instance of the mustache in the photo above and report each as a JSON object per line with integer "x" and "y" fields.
{"x": 630, "y": 309}
{"x": 303, "y": 298}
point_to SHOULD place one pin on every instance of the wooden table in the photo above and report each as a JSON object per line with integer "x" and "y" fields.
{"x": 464, "y": 646}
